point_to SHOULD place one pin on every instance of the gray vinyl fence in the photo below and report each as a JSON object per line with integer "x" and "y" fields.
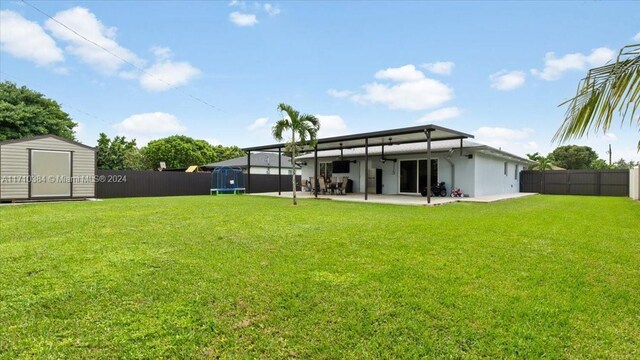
{"x": 576, "y": 182}
{"x": 129, "y": 183}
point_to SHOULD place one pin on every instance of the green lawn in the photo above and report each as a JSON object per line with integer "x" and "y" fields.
{"x": 254, "y": 277}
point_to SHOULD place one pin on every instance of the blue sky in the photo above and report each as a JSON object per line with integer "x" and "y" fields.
{"x": 217, "y": 70}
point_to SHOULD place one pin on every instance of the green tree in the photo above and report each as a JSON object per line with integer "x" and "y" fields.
{"x": 543, "y": 163}
{"x": 118, "y": 154}
{"x": 24, "y": 112}
{"x": 605, "y": 91}
{"x": 179, "y": 151}
{"x": 304, "y": 127}
{"x": 228, "y": 152}
{"x": 622, "y": 164}
{"x": 573, "y": 157}
{"x": 598, "y": 164}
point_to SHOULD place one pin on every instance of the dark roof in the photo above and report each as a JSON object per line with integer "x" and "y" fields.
{"x": 407, "y": 135}
{"x": 257, "y": 159}
{"x": 46, "y": 136}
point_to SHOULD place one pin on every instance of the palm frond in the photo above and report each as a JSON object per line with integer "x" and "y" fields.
{"x": 606, "y": 91}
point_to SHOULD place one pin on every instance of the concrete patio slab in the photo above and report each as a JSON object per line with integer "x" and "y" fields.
{"x": 414, "y": 200}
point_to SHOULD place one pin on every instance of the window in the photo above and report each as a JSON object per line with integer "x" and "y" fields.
{"x": 515, "y": 175}
{"x": 506, "y": 168}
{"x": 326, "y": 169}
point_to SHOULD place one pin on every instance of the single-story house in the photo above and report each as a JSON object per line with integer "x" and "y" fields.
{"x": 261, "y": 163}
{"x": 396, "y": 162}
{"x": 46, "y": 167}
{"x": 477, "y": 170}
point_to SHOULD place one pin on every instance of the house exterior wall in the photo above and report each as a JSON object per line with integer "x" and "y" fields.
{"x": 490, "y": 178}
{"x": 14, "y": 162}
{"x": 464, "y": 171}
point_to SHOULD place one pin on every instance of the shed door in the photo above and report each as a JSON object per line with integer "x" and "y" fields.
{"x": 50, "y": 173}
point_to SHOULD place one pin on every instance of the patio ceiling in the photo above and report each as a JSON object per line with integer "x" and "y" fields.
{"x": 387, "y": 137}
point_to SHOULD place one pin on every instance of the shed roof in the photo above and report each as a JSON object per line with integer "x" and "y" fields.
{"x": 31, "y": 138}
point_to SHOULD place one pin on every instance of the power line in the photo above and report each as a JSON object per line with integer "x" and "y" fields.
{"x": 118, "y": 56}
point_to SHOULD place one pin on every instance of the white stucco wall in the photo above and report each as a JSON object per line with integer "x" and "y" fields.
{"x": 464, "y": 171}
{"x": 490, "y": 178}
{"x": 483, "y": 174}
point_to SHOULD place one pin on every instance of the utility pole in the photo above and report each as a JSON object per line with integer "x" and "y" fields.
{"x": 609, "y": 152}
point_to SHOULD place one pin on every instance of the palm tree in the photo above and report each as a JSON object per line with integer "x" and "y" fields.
{"x": 543, "y": 162}
{"x": 303, "y": 127}
{"x": 604, "y": 91}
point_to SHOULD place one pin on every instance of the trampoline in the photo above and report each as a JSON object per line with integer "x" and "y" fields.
{"x": 227, "y": 180}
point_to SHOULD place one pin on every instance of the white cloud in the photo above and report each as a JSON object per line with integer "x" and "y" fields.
{"x": 168, "y": 74}
{"x": 503, "y": 133}
{"x": 637, "y": 37}
{"x": 213, "y": 141}
{"x": 242, "y": 19}
{"x": 331, "y": 125}
{"x": 149, "y": 123}
{"x": 415, "y": 95}
{"x": 271, "y": 9}
{"x": 339, "y": 93}
{"x": 514, "y": 140}
{"x": 61, "y": 70}
{"x": 259, "y": 123}
{"x": 411, "y": 91}
{"x": 440, "y": 115}
{"x": 400, "y": 74}
{"x": 440, "y": 67}
{"x": 507, "y": 80}
{"x": 27, "y": 40}
{"x": 609, "y": 137}
{"x": 554, "y": 67}
{"x": 87, "y": 24}
{"x": 162, "y": 52}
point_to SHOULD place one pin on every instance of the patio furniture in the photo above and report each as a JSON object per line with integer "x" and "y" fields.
{"x": 313, "y": 184}
{"x": 322, "y": 186}
{"x": 303, "y": 185}
{"x": 342, "y": 187}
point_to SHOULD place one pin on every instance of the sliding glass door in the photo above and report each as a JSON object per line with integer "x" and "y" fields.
{"x": 413, "y": 175}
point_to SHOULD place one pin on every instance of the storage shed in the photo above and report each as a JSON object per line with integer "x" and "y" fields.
{"x": 46, "y": 167}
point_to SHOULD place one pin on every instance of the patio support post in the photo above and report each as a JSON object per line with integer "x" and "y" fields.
{"x": 280, "y": 171}
{"x": 428, "y": 133}
{"x": 366, "y": 168}
{"x": 460, "y": 146}
{"x": 316, "y": 182}
{"x": 249, "y": 172}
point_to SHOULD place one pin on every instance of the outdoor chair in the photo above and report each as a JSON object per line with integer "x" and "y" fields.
{"x": 313, "y": 184}
{"x": 342, "y": 187}
{"x": 303, "y": 185}
{"x": 322, "y": 186}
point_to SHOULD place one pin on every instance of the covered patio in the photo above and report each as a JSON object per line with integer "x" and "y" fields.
{"x": 416, "y": 134}
{"x": 401, "y": 199}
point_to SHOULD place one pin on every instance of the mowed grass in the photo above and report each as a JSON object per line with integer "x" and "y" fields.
{"x": 254, "y": 277}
